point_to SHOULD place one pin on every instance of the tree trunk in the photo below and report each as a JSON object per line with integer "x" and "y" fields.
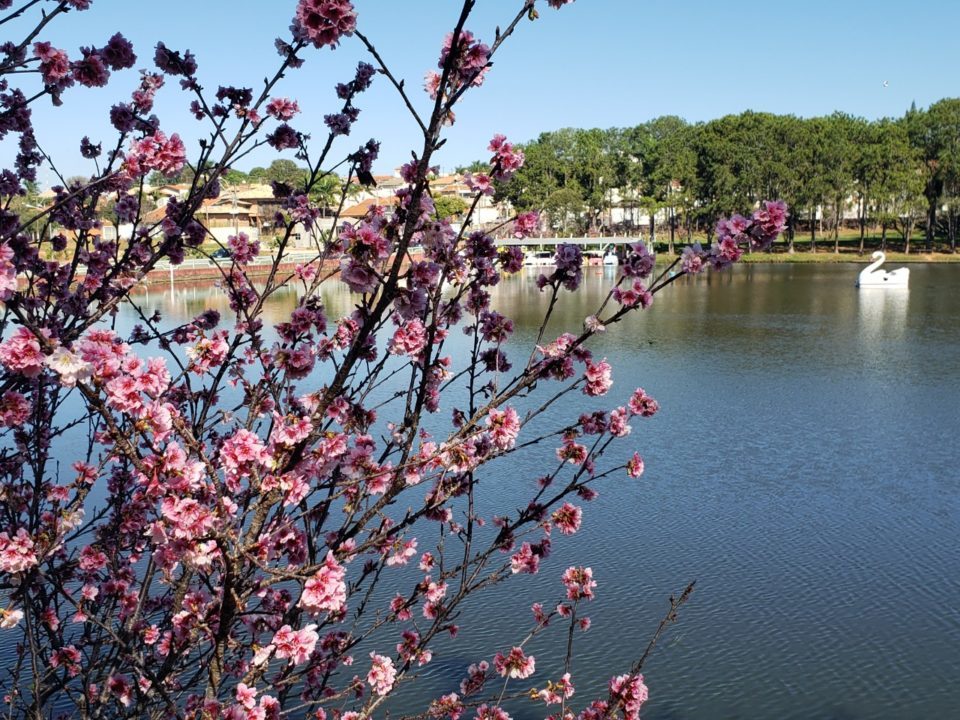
{"x": 883, "y": 236}
{"x": 672, "y": 221}
{"x": 837, "y": 216}
{"x": 952, "y": 228}
{"x": 931, "y": 222}
{"x": 907, "y": 232}
{"x": 862, "y": 209}
{"x": 790, "y": 229}
{"x": 813, "y": 230}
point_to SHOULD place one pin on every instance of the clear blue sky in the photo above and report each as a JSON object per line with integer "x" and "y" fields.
{"x": 594, "y": 63}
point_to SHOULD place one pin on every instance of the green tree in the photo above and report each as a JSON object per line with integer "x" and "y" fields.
{"x": 564, "y": 208}
{"x": 449, "y": 206}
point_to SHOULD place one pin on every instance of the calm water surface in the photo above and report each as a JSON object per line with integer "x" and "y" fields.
{"x": 803, "y": 470}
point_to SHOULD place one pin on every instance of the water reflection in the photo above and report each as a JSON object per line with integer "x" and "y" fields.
{"x": 883, "y": 313}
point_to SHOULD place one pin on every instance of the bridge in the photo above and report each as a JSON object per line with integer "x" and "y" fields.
{"x": 599, "y": 241}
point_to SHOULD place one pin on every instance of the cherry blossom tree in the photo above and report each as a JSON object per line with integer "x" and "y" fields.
{"x": 236, "y": 535}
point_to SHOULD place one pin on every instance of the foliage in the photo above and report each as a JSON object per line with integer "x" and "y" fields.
{"x": 449, "y": 206}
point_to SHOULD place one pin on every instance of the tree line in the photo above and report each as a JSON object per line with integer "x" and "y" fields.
{"x": 895, "y": 175}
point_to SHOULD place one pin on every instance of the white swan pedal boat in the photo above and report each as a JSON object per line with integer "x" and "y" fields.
{"x": 873, "y": 277}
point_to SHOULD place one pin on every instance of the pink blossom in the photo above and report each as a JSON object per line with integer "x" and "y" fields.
{"x": 567, "y": 518}
{"x": 503, "y": 426}
{"x": 156, "y": 152}
{"x": 515, "y": 664}
{"x": 556, "y": 693}
{"x": 242, "y": 249}
{"x": 491, "y": 712}
{"x": 246, "y": 695}
{"x": 402, "y": 552}
{"x": 635, "y": 466}
{"x": 431, "y": 83}
{"x": 618, "y": 422}
{"x": 54, "y": 64}
{"x": 17, "y": 554}
{"x": 409, "y": 339}
{"x": 121, "y": 689}
{"x": 526, "y": 224}
{"x": 506, "y": 159}
{"x": 296, "y": 645}
{"x": 579, "y": 583}
{"x": 642, "y": 404}
{"x": 71, "y": 368}
{"x": 326, "y": 590}
{"x": 448, "y": 706}
{"x": 20, "y": 353}
{"x": 525, "y": 560}
{"x": 242, "y": 452}
{"x": 476, "y": 678}
{"x": 282, "y": 108}
{"x": 325, "y": 21}
{"x": 691, "y": 259}
{"x": 8, "y": 273}
{"x": 410, "y": 649}
{"x": 572, "y": 452}
{"x": 597, "y": 376}
{"x": 208, "y": 353}
{"x": 14, "y": 409}
{"x": 479, "y": 182}
{"x": 628, "y": 692}
{"x": 382, "y": 675}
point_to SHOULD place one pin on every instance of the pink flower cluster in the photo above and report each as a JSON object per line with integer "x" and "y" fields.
{"x": 297, "y": 645}
{"x": 409, "y": 339}
{"x": 21, "y": 353}
{"x": 642, "y": 404}
{"x": 240, "y": 455}
{"x": 556, "y": 693}
{"x": 325, "y": 21}
{"x": 382, "y": 675}
{"x": 526, "y": 224}
{"x": 282, "y": 109}
{"x": 503, "y": 426}
{"x": 515, "y": 664}
{"x": 17, "y": 553}
{"x": 567, "y": 518}
{"x": 579, "y": 583}
{"x": 326, "y": 590}
{"x": 208, "y": 353}
{"x": 54, "y": 65}
{"x": 8, "y": 273}
{"x": 242, "y": 249}
{"x": 470, "y": 65}
{"x": 734, "y": 233}
{"x": 156, "y": 152}
{"x": 633, "y": 295}
{"x": 629, "y": 693}
{"x": 14, "y": 409}
{"x": 506, "y": 159}
{"x": 598, "y": 378}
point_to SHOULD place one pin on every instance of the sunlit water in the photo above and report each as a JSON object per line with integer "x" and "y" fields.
{"x": 802, "y": 470}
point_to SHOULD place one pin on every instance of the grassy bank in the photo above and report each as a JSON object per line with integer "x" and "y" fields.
{"x": 845, "y": 256}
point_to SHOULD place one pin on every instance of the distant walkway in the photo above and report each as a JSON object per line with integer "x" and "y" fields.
{"x": 601, "y": 240}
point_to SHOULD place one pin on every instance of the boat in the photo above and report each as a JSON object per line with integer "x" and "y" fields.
{"x": 873, "y": 277}
{"x": 539, "y": 259}
{"x": 593, "y": 258}
{"x": 611, "y": 259}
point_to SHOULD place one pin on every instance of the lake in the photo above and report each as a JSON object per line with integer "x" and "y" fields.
{"x": 803, "y": 469}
